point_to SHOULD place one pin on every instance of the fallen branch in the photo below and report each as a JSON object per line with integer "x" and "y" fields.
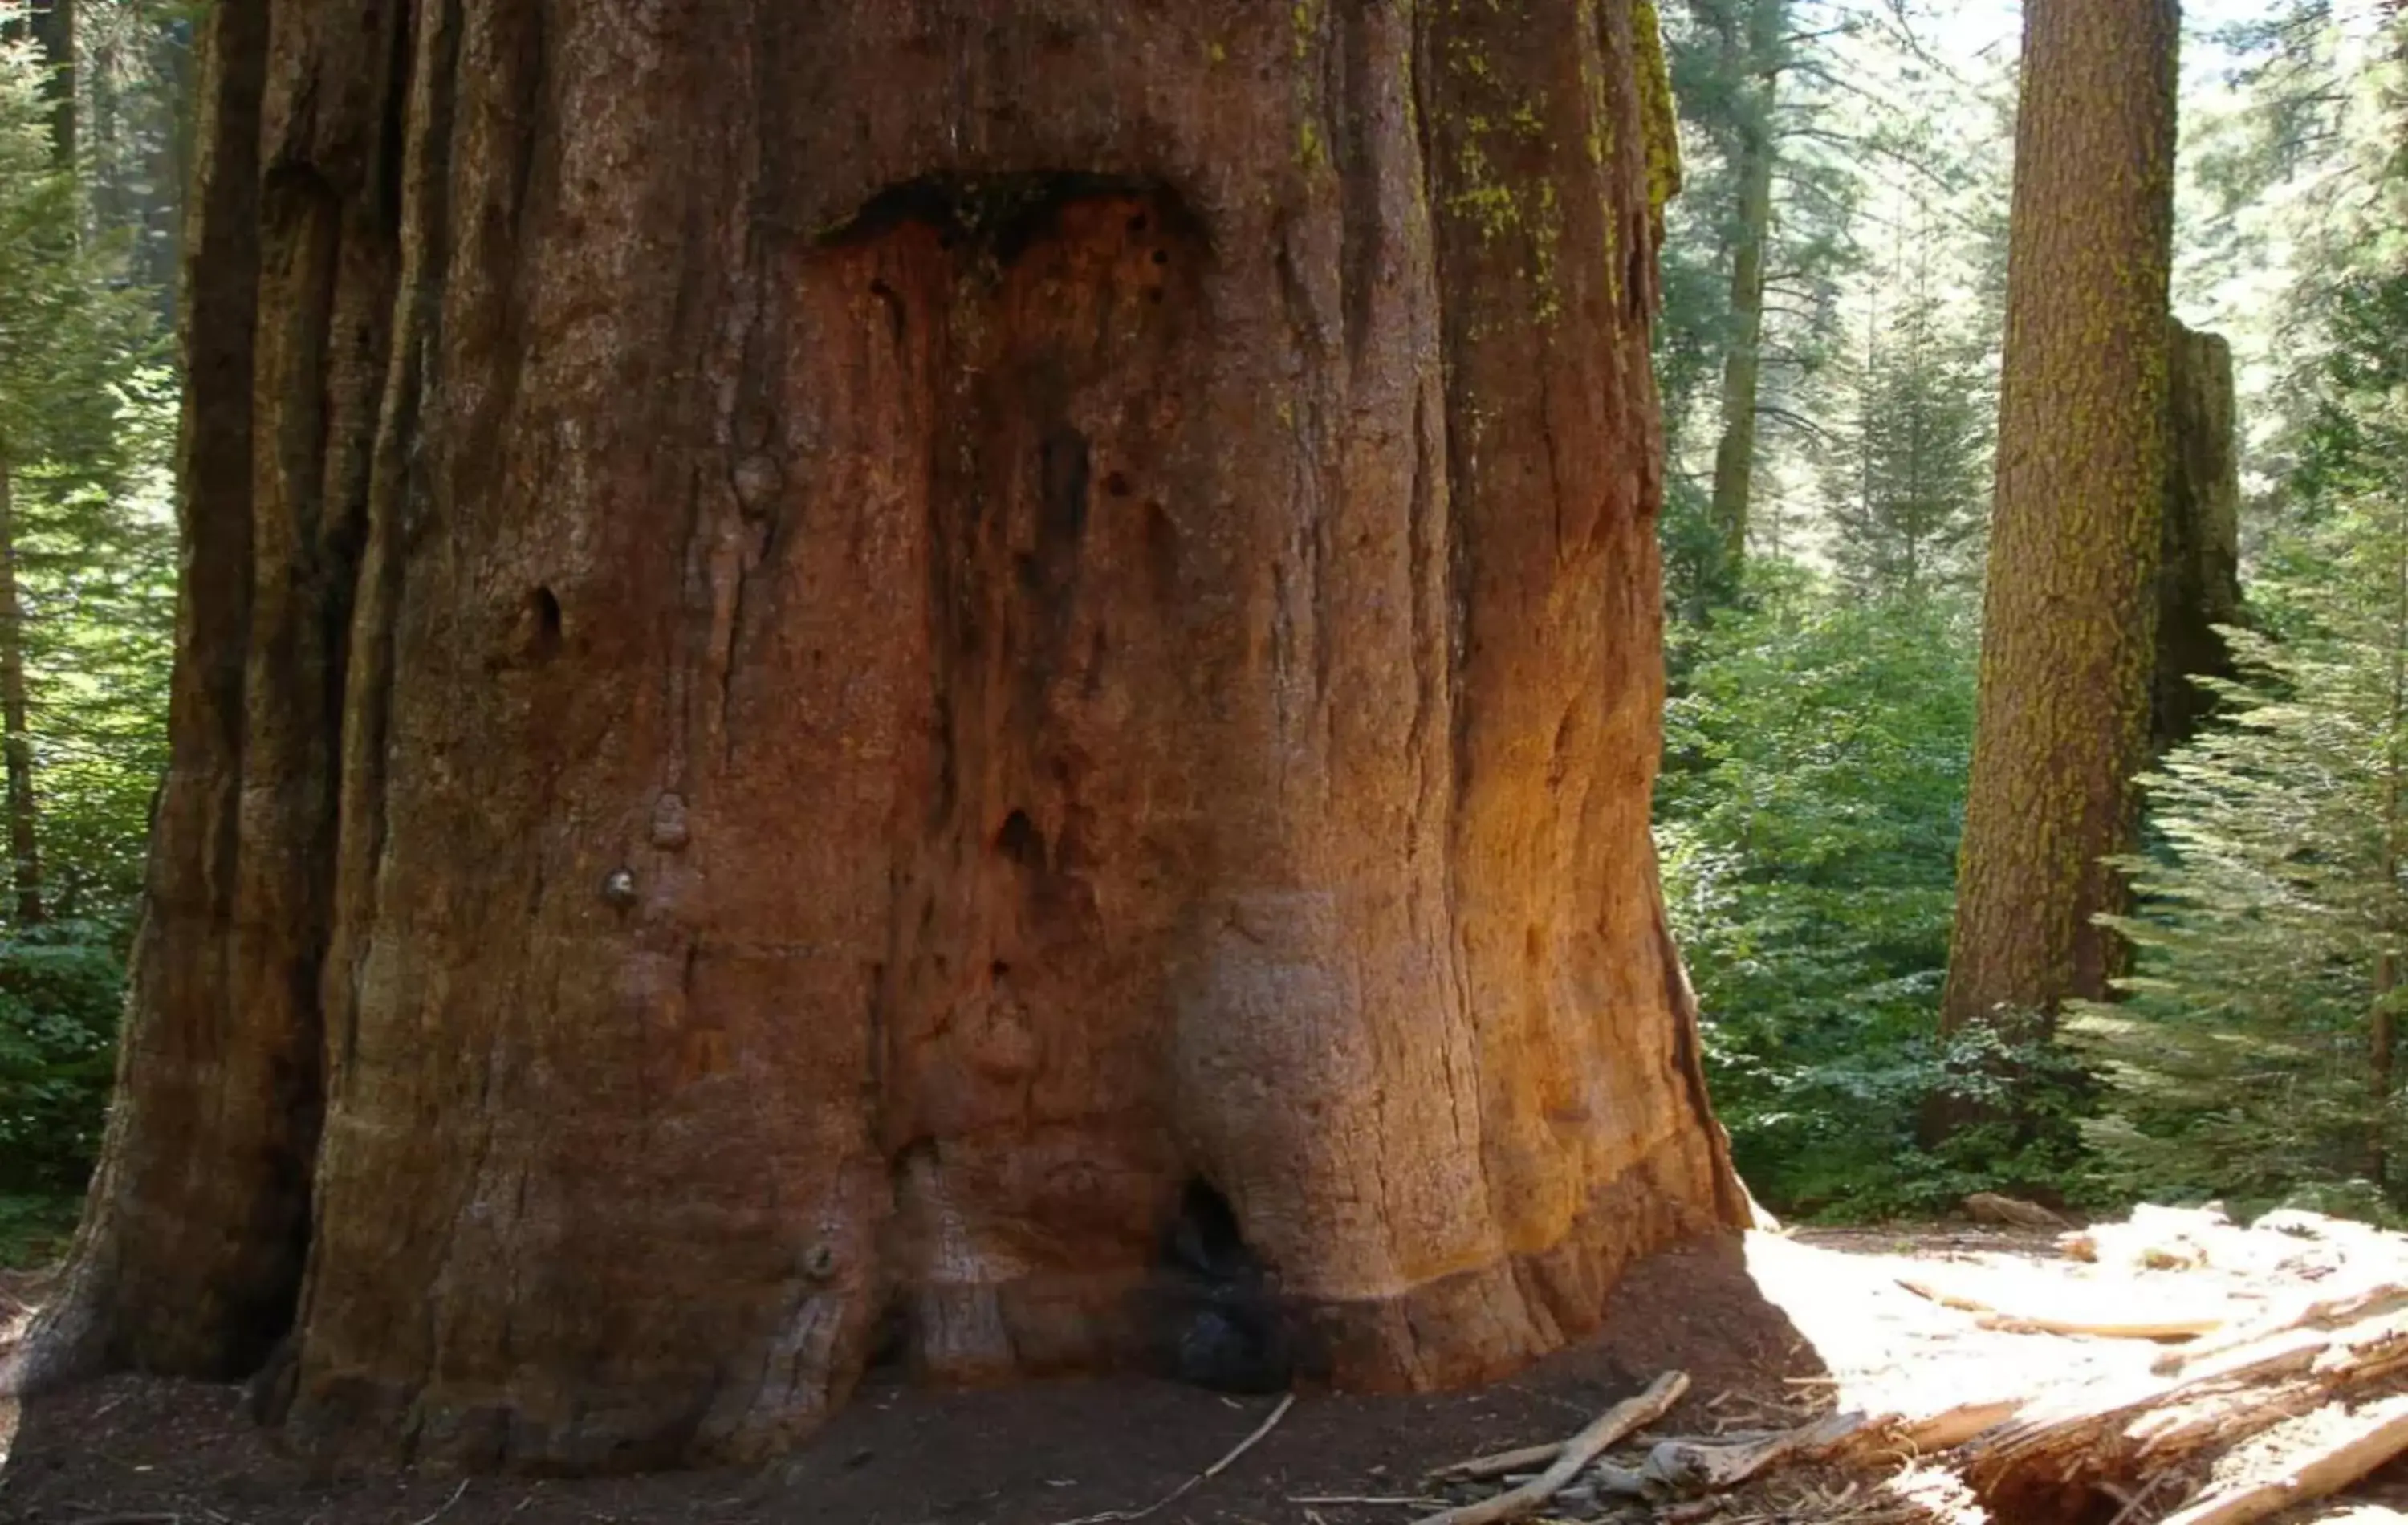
{"x": 2010, "y": 1211}
{"x": 1575, "y": 1454}
{"x": 1530, "y": 1458}
{"x": 2381, "y": 1434}
{"x": 2148, "y": 1424}
{"x": 1111, "y": 1517}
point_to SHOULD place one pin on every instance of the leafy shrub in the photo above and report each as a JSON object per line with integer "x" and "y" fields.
{"x": 61, "y": 988}
{"x": 1807, "y": 818}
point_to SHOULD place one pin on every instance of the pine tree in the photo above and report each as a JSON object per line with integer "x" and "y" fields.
{"x": 2256, "y": 1054}
{"x": 1759, "y": 240}
{"x": 1906, "y": 478}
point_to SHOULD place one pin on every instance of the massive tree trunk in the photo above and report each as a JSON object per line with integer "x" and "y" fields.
{"x": 2199, "y": 578}
{"x": 842, "y": 659}
{"x": 2069, "y": 608}
{"x": 1757, "y": 78}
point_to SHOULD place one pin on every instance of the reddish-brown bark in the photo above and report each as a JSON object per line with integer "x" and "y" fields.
{"x": 836, "y": 654}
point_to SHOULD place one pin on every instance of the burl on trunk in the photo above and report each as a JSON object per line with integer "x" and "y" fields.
{"x": 879, "y": 667}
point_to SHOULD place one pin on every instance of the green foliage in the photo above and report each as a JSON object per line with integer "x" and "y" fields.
{"x": 86, "y": 420}
{"x": 1808, "y": 820}
{"x": 2275, "y": 915}
{"x": 75, "y": 336}
{"x": 61, "y": 987}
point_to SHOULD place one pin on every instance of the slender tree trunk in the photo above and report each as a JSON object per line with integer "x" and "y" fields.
{"x": 54, "y": 33}
{"x": 840, "y": 658}
{"x": 1743, "y": 360}
{"x": 16, "y": 735}
{"x": 2071, "y": 603}
{"x": 2383, "y": 1034}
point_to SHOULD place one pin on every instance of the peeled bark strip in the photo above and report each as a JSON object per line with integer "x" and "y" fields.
{"x": 839, "y": 657}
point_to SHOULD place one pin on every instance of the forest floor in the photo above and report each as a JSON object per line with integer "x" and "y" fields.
{"x": 1771, "y": 1333}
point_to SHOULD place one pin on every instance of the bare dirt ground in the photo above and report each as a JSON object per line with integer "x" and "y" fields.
{"x": 1770, "y": 1333}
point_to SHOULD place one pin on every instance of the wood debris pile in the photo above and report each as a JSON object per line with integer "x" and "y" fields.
{"x": 2184, "y": 1370}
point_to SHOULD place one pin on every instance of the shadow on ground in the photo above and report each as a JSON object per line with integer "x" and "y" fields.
{"x": 135, "y": 1448}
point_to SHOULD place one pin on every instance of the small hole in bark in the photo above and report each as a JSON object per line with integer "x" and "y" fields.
{"x": 1116, "y": 484}
{"x": 998, "y": 971}
{"x": 895, "y": 319}
{"x": 1018, "y": 840}
{"x": 545, "y": 609}
{"x": 1161, "y": 548}
{"x": 1162, "y": 256}
{"x": 1137, "y": 223}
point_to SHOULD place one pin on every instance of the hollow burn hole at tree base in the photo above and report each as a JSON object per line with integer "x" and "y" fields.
{"x": 1218, "y": 1323}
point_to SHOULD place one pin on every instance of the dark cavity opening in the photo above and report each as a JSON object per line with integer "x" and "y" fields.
{"x": 1223, "y": 1326}
{"x": 1018, "y": 840}
{"x": 543, "y": 608}
{"x": 1001, "y": 215}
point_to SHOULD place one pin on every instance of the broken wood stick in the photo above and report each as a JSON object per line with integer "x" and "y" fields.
{"x": 2316, "y": 1313}
{"x": 1575, "y": 1454}
{"x": 2033, "y": 1320}
{"x": 1111, "y": 1517}
{"x": 2380, "y": 1434}
{"x": 1682, "y": 1467}
{"x": 1497, "y": 1463}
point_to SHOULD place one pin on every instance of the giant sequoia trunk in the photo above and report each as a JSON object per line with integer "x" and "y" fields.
{"x": 2071, "y": 600}
{"x": 840, "y": 658}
